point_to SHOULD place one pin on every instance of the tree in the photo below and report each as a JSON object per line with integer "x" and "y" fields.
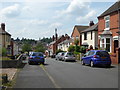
{"x": 76, "y": 42}
{"x": 40, "y": 48}
{"x": 83, "y": 49}
{"x": 26, "y": 47}
{"x": 71, "y": 48}
{"x": 4, "y": 52}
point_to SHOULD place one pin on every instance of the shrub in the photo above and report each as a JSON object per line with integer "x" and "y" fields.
{"x": 83, "y": 49}
{"x": 4, "y": 52}
{"x": 71, "y": 48}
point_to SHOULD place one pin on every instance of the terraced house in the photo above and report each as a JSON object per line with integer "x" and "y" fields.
{"x": 108, "y": 27}
{"x": 5, "y": 38}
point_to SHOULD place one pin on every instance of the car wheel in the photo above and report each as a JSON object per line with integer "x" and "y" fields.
{"x": 29, "y": 63}
{"x": 92, "y": 64}
{"x": 43, "y": 63}
{"x": 82, "y": 62}
{"x": 108, "y": 66}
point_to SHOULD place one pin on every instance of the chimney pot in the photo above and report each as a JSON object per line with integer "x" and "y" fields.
{"x": 3, "y": 26}
{"x": 91, "y": 23}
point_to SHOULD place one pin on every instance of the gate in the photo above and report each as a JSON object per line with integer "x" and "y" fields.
{"x": 119, "y": 55}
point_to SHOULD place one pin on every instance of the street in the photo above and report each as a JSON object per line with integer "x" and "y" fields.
{"x": 59, "y": 74}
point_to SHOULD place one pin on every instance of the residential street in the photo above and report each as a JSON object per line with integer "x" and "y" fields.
{"x": 59, "y": 74}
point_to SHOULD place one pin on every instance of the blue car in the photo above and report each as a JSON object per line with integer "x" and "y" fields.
{"x": 96, "y": 57}
{"x": 36, "y": 57}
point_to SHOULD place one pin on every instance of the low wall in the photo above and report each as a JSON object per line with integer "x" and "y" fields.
{"x": 11, "y": 63}
{"x": 115, "y": 57}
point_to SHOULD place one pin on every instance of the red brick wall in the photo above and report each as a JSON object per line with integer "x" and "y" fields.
{"x": 114, "y": 23}
{"x": 74, "y": 34}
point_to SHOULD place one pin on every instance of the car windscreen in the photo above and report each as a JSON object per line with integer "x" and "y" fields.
{"x": 102, "y": 54}
{"x": 37, "y": 54}
{"x": 70, "y": 54}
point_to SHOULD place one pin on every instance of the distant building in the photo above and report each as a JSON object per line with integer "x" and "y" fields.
{"x": 76, "y": 34}
{"x": 5, "y": 41}
{"x": 53, "y": 46}
{"x": 64, "y": 45}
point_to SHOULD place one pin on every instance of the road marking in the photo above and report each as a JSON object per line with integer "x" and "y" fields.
{"x": 50, "y": 77}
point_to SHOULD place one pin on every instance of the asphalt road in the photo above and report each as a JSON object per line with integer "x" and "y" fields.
{"x": 59, "y": 74}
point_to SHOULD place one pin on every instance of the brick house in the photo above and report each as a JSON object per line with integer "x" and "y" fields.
{"x": 108, "y": 26}
{"x": 53, "y": 46}
{"x": 76, "y": 34}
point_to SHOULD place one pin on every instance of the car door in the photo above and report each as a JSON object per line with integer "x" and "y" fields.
{"x": 89, "y": 57}
{"x": 84, "y": 58}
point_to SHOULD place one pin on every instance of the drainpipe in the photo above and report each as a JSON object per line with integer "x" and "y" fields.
{"x": 119, "y": 25}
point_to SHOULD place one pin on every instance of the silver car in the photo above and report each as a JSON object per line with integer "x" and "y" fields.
{"x": 69, "y": 56}
{"x": 60, "y": 55}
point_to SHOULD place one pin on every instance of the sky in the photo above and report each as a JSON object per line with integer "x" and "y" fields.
{"x": 36, "y": 19}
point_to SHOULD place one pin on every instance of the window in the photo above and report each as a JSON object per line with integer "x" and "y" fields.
{"x": 107, "y": 22}
{"x": 91, "y": 35}
{"x": 103, "y": 43}
{"x": 91, "y": 53}
{"x": 106, "y": 44}
{"x": 85, "y": 36}
{"x": 77, "y": 37}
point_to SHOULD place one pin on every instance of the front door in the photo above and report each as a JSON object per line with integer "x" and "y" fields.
{"x": 115, "y": 45}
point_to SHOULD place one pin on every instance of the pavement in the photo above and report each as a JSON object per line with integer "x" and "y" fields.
{"x": 9, "y": 71}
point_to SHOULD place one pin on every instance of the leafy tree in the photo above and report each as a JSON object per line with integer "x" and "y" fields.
{"x": 82, "y": 49}
{"x": 76, "y": 42}
{"x": 40, "y": 48}
{"x": 26, "y": 47}
{"x": 71, "y": 48}
{"x": 77, "y": 48}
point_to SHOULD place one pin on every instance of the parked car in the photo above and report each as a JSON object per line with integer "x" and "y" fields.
{"x": 36, "y": 57}
{"x": 96, "y": 57}
{"x": 59, "y": 56}
{"x": 69, "y": 56}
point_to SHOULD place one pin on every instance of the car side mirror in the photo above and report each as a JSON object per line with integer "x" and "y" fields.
{"x": 85, "y": 55}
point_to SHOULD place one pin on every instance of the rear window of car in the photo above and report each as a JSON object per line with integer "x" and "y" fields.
{"x": 37, "y": 54}
{"x": 102, "y": 53}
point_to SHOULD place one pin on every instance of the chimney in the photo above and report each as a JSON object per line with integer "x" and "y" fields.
{"x": 56, "y": 35}
{"x": 53, "y": 38}
{"x": 3, "y": 26}
{"x": 91, "y": 23}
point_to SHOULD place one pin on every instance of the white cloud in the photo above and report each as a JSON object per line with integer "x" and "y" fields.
{"x": 11, "y": 11}
{"x": 79, "y": 11}
{"x": 56, "y": 25}
{"x": 75, "y": 8}
{"x": 38, "y": 22}
{"x": 88, "y": 17}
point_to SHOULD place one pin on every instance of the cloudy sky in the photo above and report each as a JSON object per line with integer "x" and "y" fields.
{"x": 38, "y": 18}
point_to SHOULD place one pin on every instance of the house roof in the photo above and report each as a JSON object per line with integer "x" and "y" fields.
{"x": 66, "y": 41}
{"x": 106, "y": 32}
{"x": 79, "y": 28}
{"x": 113, "y": 8}
{"x": 4, "y": 32}
{"x": 92, "y": 28}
